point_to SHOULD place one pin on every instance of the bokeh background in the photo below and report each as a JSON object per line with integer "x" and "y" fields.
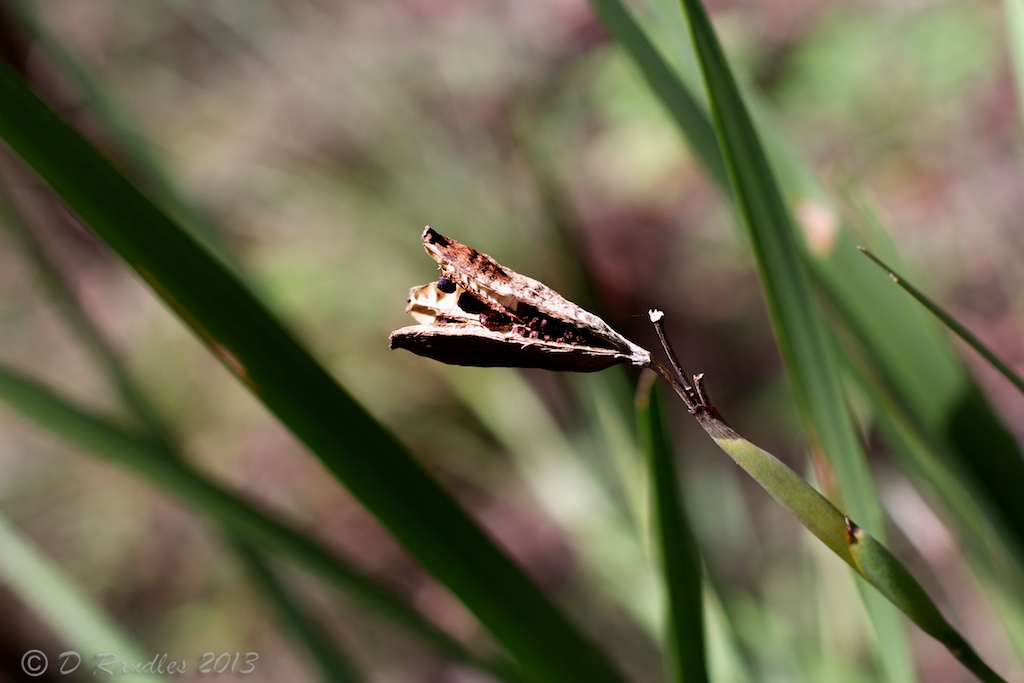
{"x": 309, "y": 143}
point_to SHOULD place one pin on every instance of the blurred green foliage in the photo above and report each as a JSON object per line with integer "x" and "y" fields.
{"x": 308, "y": 143}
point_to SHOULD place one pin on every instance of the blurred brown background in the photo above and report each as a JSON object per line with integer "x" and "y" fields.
{"x": 319, "y": 137}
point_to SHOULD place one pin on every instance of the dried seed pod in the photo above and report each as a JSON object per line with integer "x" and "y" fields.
{"x": 539, "y": 328}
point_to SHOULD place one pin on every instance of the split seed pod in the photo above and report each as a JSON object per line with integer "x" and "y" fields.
{"x": 481, "y": 313}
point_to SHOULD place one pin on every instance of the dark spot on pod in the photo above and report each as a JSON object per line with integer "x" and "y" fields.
{"x": 493, "y": 320}
{"x": 445, "y": 285}
{"x": 568, "y": 337}
{"x": 434, "y": 238}
{"x": 470, "y": 304}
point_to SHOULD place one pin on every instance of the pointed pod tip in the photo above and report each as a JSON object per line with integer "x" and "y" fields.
{"x": 431, "y": 236}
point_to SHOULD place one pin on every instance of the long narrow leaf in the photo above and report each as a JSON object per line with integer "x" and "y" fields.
{"x": 952, "y": 323}
{"x": 333, "y": 667}
{"x": 680, "y": 103}
{"x": 74, "y": 316}
{"x": 132, "y": 147}
{"x": 145, "y": 457}
{"x": 869, "y": 558}
{"x": 281, "y": 373}
{"x": 676, "y": 545}
{"x": 27, "y": 573}
{"x": 800, "y": 331}
{"x": 933, "y": 386}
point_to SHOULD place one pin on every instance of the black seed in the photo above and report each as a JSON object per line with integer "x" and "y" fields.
{"x": 445, "y": 285}
{"x": 470, "y": 304}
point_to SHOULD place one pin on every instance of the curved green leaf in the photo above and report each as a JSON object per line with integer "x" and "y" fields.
{"x": 146, "y": 457}
{"x": 875, "y": 563}
{"x": 252, "y": 344}
{"x": 868, "y": 557}
{"x": 909, "y": 351}
{"x": 333, "y": 666}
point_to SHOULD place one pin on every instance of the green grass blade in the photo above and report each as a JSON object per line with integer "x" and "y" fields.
{"x": 876, "y": 564}
{"x": 79, "y": 623}
{"x": 603, "y": 534}
{"x": 911, "y": 352}
{"x": 869, "y": 558}
{"x": 75, "y": 317}
{"x": 132, "y": 147}
{"x": 333, "y": 664}
{"x": 799, "y": 328}
{"x": 952, "y": 323}
{"x": 676, "y": 546}
{"x": 146, "y": 457}
{"x": 959, "y": 425}
{"x": 680, "y": 103}
{"x": 249, "y": 341}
